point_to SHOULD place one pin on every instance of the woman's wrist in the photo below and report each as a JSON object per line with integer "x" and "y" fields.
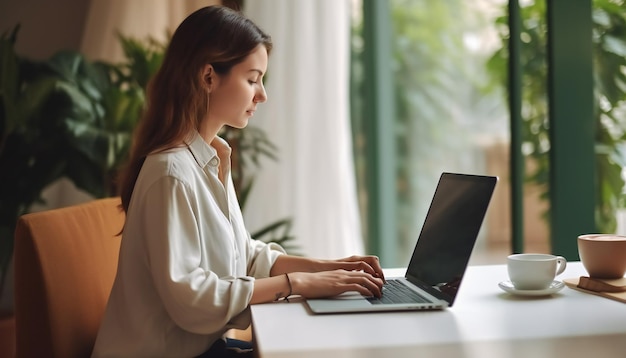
{"x": 283, "y": 294}
{"x": 287, "y": 263}
{"x": 290, "y": 287}
{"x": 295, "y": 283}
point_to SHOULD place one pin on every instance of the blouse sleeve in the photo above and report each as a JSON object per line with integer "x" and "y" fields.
{"x": 261, "y": 257}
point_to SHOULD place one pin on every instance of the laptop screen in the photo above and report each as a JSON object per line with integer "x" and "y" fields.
{"x": 449, "y": 232}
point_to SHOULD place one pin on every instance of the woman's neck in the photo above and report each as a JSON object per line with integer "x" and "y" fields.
{"x": 208, "y": 132}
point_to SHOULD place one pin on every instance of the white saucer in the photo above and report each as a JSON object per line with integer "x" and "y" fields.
{"x": 554, "y": 287}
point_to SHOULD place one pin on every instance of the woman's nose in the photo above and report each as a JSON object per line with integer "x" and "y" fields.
{"x": 261, "y": 95}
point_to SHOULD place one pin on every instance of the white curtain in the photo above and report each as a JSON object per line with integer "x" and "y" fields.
{"x": 307, "y": 117}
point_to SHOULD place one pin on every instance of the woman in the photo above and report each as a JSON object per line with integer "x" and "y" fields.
{"x": 188, "y": 269}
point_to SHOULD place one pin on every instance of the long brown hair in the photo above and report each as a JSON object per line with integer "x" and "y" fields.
{"x": 176, "y": 99}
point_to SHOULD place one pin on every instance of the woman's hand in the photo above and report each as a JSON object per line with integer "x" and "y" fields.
{"x": 335, "y": 282}
{"x": 369, "y": 264}
{"x": 321, "y": 278}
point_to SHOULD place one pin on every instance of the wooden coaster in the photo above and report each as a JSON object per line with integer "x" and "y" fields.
{"x": 611, "y": 285}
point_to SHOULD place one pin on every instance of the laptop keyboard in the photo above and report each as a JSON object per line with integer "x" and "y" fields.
{"x": 395, "y": 291}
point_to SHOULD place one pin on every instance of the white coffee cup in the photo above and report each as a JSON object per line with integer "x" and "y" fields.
{"x": 534, "y": 271}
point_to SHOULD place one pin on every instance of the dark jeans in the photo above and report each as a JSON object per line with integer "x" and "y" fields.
{"x": 228, "y": 347}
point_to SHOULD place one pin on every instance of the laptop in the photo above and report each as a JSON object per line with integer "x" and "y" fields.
{"x": 440, "y": 257}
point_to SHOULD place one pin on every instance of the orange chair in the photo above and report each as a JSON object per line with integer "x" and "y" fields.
{"x": 65, "y": 262}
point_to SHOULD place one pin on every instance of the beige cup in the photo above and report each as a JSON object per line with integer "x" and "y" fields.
{"x": 603, "y": 255}
{"x": 534, "y": 271}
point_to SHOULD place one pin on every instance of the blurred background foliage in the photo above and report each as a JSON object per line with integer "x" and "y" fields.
{"x": 445, "y": 113}
{"x": 609, "y": 74}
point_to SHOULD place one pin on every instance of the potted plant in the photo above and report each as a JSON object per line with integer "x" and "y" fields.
{"x": 63, "y": 117}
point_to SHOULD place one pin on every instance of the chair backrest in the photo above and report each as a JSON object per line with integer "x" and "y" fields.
{"x": 65, "y": 263}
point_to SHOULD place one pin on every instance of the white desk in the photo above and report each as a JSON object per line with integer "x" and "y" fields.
{"x": 484, "y": 322}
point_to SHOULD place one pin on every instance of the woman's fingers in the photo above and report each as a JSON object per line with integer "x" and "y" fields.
{"x": 369, "y": 264}
{"x": 365, "y": 284}
{"x": 332, "y": 283}
{"x": 361, "y": 289}
{"x": 375, "y": 263}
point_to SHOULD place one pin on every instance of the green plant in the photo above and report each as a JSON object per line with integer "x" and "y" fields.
{"x": 609, "y": 60}
{"x": 44, "y": 108}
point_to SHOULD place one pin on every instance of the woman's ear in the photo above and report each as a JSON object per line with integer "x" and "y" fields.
{"x": 208, "y": 76}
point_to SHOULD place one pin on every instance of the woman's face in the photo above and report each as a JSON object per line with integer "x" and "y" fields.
{"x": 234, "y": 96}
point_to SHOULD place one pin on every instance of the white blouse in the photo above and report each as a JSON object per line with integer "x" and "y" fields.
{"x": 187, "y": 263}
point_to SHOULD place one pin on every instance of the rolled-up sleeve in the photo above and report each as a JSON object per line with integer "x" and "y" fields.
{"x": 261, "y": 257}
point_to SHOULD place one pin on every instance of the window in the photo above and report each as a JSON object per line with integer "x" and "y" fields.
{"x": 443, "y": 114}
{"x": 423, "y": 103}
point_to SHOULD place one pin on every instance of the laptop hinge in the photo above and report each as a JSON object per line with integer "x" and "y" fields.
{"x": 428, "y": 288}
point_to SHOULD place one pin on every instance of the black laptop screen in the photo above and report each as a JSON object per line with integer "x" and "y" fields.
{"x": 449, "y": 232}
